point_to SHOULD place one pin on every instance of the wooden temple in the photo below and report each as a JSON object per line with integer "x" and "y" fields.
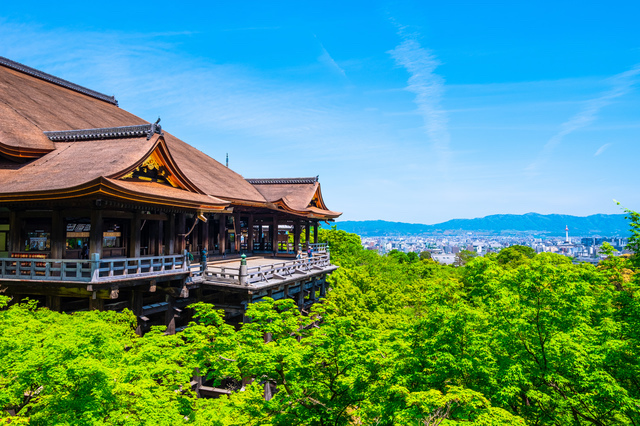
{"x": 100, "y": 209}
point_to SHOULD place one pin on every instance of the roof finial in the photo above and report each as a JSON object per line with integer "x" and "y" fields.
{"x": 227, "y": 160}
{"x": 155, "y": 128}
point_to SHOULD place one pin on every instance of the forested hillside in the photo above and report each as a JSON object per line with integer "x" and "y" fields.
{"x": 509, "y": 339}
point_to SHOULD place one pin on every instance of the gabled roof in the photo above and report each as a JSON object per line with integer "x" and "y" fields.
{"x": 75, "y": 163}
{"x": 300, "y": 196}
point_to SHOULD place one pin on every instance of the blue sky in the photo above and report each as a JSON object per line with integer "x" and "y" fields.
{"x": 408, "y": 111}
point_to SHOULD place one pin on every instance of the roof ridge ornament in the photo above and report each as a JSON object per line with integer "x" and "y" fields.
{"x": 123, "y": 132}
{"x": 284, "y": 181}
{"x": 56, "y": 80}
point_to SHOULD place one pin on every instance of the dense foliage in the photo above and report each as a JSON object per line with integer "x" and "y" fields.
{"x": 508, "y": 339}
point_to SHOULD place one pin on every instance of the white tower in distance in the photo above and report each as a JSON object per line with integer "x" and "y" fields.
{"x": 566, "y": 230}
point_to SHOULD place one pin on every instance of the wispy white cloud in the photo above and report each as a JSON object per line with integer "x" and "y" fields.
{"x": 602, "y": 149}
{"x": 326, "y": 59}
{"x": 621, "y": 85}
{"x": 428, "y": 87}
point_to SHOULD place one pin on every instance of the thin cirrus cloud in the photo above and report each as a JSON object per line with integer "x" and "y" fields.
{"x": 621, "y": 85}
{"x": 428, "y": 88}
{"x": 602, "y": 149}
{"x": 328, "y": 60}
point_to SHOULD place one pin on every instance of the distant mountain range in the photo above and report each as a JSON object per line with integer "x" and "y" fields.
{"x": 499, "y": 224}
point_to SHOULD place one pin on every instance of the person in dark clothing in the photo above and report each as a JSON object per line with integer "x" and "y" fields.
{"x": 203, "y": 258}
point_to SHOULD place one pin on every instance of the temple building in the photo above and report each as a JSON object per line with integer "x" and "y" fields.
{"x": 100, "y": 209}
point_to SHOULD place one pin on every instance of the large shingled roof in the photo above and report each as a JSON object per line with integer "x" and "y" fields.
{"x": 66, "y": 135}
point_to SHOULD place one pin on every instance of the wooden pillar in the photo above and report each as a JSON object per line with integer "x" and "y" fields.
{"x": 204, "y": 230}
{"x": 57, "y": 235}
{"x": 160, "y": 238}
{"x": 312, "y": 294}
{"x": 154, "y": 237}
{"x": 180, "y": 231}
{"x": 170, "y": 234}
{"x": 300, "y": 298}
{"x": 134, "y": 235}
{"x": 53, "y": 303}
{"x": 136, "y": 307}
{"x": 96, "y": 304}
{"x": 296, "y": 235}
{"x": 211, "y": 241}
{"x": 222, "y": 231}
{"x": 250, "y": 234}
{"x": 15, "y": 223}
{"x": 238, "y": 229}
{"x": 307, "y": 232}
{"x": 95, "y": 236}
{"x": 170, "y": 316}
{"x": 195, "y": 235}
{"x": 315, "y": 232}
{"x": 274, "y": 236}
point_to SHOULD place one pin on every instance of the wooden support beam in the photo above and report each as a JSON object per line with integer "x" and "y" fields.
{"x": 195, "y": 235}
{"x": 222, "y": 234}
{"x": 46, "y": 290}
{"x": 181, "y": 230}
{"x": 312, "y": 294}
{"x": 170, "y": 234}
{"x": 250, "y": 234}
{"x": 134, "y": 235}
{"x": 315, "y": 232}
{"x": 15, "y": 225}
{"x": 160, "y": 239}
{"x": 170, "y": 316}
{"x": 58, "y": 241}
{"x": 96, "y": 304}
{"x": 204, "y": 232}
{"x": 136, "y": 304}
{"x": 53, "y": 303}
{"x": 154, "y": 237}
{"x": 300, "y": 299}
{"x": 274, "y": 235}
{"x": 238, "y": 229}
{"x": 296, "y": 236}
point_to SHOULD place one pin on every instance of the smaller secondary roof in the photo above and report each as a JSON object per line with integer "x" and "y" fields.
{"x": 300, "y": 196}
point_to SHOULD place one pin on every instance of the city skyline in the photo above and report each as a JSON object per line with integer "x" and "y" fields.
{"x": 409, "y": 112}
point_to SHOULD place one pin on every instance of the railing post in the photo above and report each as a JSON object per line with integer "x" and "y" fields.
{"x": 243, "y": 269}
{"x": 95, "y": 266}
{"x": 185, "y": 263}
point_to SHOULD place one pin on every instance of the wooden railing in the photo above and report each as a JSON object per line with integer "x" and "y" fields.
{"x": 283, "y": 270}
{"x": 141, "y": 266}
{"x": 94, "y": 270}
{"x": 319, "y": 247}
{"x": 263, "y": 273}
